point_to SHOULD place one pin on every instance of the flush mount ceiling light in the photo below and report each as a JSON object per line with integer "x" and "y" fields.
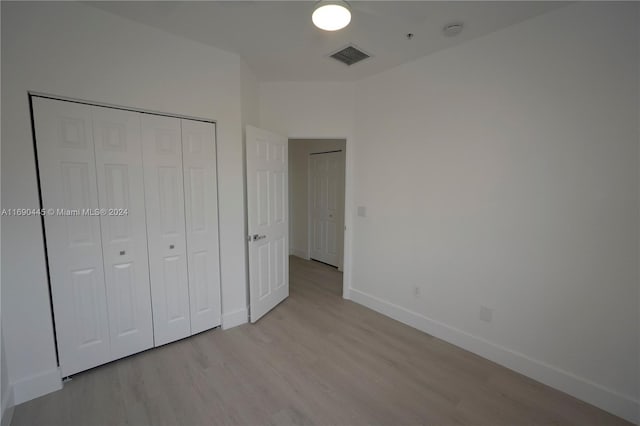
{"x": 331, "y": 15}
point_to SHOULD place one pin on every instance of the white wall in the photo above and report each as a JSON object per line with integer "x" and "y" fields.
{"x": 504, "y": 173}
{"x": 250, "y": 96}
{"x": 308, "y": 109}
{"x": 299, "y": 151}
{"x": 315, "y": 110}
{"x": 4, "y": 373}
{"x": 78, "y": 51}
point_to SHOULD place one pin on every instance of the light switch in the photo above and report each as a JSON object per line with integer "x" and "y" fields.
{"x": 362, "y": 211}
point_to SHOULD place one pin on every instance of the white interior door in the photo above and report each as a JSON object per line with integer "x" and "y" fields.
{"x": 66, "y": 161}
{"x": 164, "y": 203}
{"x": 326, "y": 206}
{"x": 118, "y": 149}
{"x": 201, "y": 208}
{"x": 267, "y": 204}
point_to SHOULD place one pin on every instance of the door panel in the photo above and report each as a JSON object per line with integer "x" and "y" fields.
{"x": 66, "y": 160}
{"x": 326, "y": 174}
{"x": 87, "y": 290}
{"x": 164, "y": 205}
{"x": 278, "y": 262}
{"x": 77, "y": 194}
{"x": 118, "y": 147}
{"x": 198, "y": 269}
{"x": 264, "y": 265}
{"x": 172, "y": 266}
{"x": 201, "y": 207}
{"x": 267, "y": 203}
{"x": 124, "y": 286}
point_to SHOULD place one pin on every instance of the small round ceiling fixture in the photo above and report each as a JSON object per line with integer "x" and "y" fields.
{"x": 331, "y": 15}
{"x": 453, "y": 29}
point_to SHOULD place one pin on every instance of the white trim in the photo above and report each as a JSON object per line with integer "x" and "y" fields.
{"x": 346, "y": 292}
{"x": 7, "y": 416}
{"x": 579, "y": 387}
{"x": 37, "y": 385}
{"x": 107, "y": 105}
{"x": 309, "y": 203}
{"x": 7, "y": 407}
{"x": 300, "y": 253}
{"x": 235, "y": 318}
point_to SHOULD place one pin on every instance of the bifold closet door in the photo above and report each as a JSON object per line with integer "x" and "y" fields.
{"x": 164, "y": 203}
{"x": 66, "y": 160}
{"x": 118, "y": 148}
{"x": 201, "y": 208}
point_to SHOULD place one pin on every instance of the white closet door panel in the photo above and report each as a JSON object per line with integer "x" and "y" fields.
{"x": 118, "y": 146}
{"x": 164, "y": 204}
{"x": 66, "y": 160}
{"x": 201, "y": 208}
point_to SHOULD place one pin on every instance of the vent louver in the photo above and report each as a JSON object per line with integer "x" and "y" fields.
{"x": 350, "y": 55}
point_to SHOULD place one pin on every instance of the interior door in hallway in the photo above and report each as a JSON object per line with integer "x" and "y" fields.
{"x": 268, "y": 220}
{"x": 326, "y": 201}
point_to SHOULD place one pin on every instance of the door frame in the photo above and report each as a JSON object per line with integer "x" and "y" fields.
{"x": 340, "y": 266}
{"x": 348, "y": 208}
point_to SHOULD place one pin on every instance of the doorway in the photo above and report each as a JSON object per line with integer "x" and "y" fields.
{"x": 317, "y": 200}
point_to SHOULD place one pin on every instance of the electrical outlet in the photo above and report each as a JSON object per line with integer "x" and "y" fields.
{"x": 362, "y": 211}
{"x": 416, "y": 291}
{"x": 485, "y": 314}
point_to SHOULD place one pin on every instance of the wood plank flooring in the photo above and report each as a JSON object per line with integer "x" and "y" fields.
{"x": 315, "y": 360}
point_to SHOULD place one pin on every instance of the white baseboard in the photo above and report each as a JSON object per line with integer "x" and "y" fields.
{"x": 579, "y": 387}
{"x": 36, "y": 385}
{"x": 7, "y": 407}
{"x": 300, "y": 253}
{"x": 235, "y": 318}
{"x": 346, "y": 292}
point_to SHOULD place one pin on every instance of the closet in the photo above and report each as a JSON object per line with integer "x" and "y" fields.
{"x": 131, "y": 228}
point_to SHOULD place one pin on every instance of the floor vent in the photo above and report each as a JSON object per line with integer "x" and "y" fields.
{"x": 350, "y": 55}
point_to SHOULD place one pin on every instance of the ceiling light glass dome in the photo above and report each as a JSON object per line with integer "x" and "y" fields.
{"x": 331, "y": 15}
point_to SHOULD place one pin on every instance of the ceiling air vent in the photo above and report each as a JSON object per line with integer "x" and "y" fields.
{"x": 350, "y": 55}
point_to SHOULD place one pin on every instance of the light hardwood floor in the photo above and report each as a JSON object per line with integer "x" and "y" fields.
{"x": 315, "y": 360}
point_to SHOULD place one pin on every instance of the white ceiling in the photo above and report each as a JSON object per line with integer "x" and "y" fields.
{"x": 279, "y": 42}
